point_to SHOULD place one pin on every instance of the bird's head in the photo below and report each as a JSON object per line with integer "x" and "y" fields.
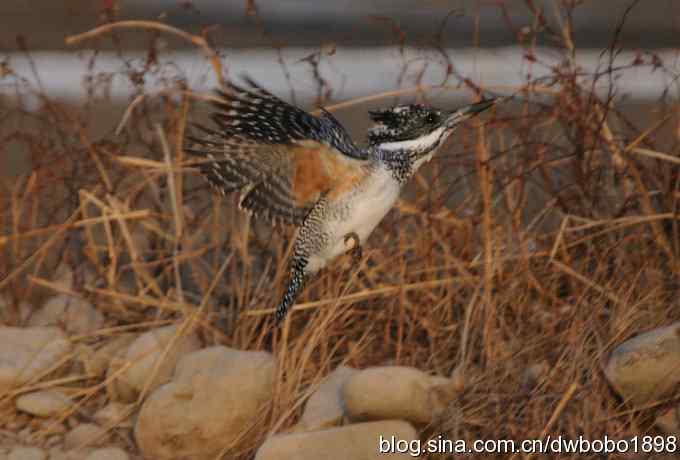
{"x": 416, "y": 130}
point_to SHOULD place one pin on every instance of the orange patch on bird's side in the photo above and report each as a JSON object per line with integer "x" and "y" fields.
{"x": 320, "y": 169}
{"x": 310, "y": 178}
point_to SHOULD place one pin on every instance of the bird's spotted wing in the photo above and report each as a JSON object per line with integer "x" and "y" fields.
{"x": 255, "y": 114}
{"x": 280, "y": 157}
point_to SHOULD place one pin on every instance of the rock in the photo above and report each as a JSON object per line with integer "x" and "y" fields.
{"x": 396, "y": 392}
{"x": 27, "y": 453}
{"x": 45, "y": 403}
{"x": 216, "y": 393}
{"x": 85, "y": 435}
{"x": 57, "y": 453}
{"x": 360, "y": 441}
{"x": 645, "y": 368}
{"x": 84, "y": 355}
{"x": 118, "y": 388}
{"x": 96, "y": 362}
{"x": 26, "y": 353}
{"x": 324, "y": 407}
{"x": 109, "y": 453}
{"x": 143, "y": 354}
{"x": 115, "y": 414}
{"x": 74, "y": 314}
{"x": 219, "y": 359}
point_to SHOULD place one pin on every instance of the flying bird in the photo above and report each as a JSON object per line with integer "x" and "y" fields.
{"x": 299, "y": 169}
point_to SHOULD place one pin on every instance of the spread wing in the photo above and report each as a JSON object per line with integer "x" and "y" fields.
{"x": 281, "y": 158}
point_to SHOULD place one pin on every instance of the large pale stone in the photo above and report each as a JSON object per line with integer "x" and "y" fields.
{"x": 219, "y": 359}
{"x": 324, "y": 407}
{"x": 216, "y": 394}
{"x": 108, "y": 453}
{"x": 396, "y": 392}
{"x": 73, "y": 314}
{"x": 153, "y": 355}
{"x": 646, "y": 368}
{"x": 56, "y": 453}
{"x": 45, "y": 403}
{"x": 85, "y": 435}
{"x": 356, "y": 442}
{"x": 27, "y": 453}
{"x": 26, "y": 353}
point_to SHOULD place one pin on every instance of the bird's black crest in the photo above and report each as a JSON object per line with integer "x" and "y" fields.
{"x": 402, "y": 122}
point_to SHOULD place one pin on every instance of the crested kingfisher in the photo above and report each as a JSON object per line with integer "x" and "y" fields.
{"x": 292, "y": 167}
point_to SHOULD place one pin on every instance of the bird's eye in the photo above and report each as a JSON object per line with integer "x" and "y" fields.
{"x": 431, "y": 118}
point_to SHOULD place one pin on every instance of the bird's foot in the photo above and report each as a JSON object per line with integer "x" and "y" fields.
{"x": 356, "y": 250}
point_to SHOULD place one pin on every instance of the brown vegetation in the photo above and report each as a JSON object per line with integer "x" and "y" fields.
{"x": 557, "y": 241}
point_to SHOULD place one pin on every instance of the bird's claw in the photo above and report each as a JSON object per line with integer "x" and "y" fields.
{"x": 356, "y": 250}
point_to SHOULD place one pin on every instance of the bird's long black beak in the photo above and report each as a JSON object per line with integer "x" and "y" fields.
{"x": 462, "y": 114}
{"x": 481, "y": 106}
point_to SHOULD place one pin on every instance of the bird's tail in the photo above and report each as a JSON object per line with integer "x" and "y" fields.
{"x": 295, "y": 285}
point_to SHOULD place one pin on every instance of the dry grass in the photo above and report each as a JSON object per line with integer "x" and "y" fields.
{"x": 556, "y": 242}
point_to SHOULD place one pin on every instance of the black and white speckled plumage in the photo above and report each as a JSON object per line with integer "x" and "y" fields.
{"x": 261, "y": 144}
{"x": 255, "y": 114}
{"x": 402, "y": 122}
{"x": 296, "y": 283}
{"x": 399, "y": 163}
{"x": 259, "y": 172}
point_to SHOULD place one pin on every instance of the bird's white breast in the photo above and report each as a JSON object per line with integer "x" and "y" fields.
{"x": 371, "y": 204}
{"x": 363, "y": 212}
